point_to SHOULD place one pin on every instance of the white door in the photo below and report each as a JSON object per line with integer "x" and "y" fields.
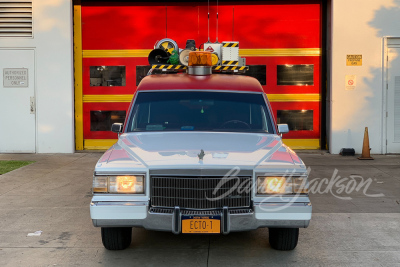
{"x": 17, "y": 101}
{"x": 393, "y": 96}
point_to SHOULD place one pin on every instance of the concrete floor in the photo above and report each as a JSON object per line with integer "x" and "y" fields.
{"x": 53, "y": 195}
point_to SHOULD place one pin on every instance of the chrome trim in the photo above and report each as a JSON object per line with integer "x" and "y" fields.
{"x": 295, "y": 204}
{"x": 198, "y": 172}
{"x": 237, "y": 222}
{"x": 240, "y": 211}
{"x": 161, "y": 210}
{"x": 199, "y": 212}
{"x": 225, "y": 221}
{"x": 199, "y": 70}
{"x": 298, "y": 173}
{"x": 117, "y": 173}
{"x": 118, "y": 203}
{"x": 176, "y": 221}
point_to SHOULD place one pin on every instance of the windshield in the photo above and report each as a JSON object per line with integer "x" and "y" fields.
{"x": 200, "y": 111}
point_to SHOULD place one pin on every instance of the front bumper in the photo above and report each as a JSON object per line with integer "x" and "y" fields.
{"x": 138, "y": 214}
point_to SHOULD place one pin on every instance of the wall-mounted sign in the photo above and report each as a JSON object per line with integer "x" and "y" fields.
{"x": 354, "y": 60}
{"x": 15, "y": 77}
{"x": 350, "y": 82}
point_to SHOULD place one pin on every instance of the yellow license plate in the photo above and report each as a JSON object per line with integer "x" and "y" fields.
{"x": 201, "y": 225}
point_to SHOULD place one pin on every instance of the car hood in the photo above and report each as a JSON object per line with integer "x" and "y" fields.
{"x": 184, "y": 150}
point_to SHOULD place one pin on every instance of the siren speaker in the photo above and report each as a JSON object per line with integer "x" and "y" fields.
{"x": 158, "y": 56}
{"x": 184, "y": 57}
{"x": 191, "y": 44}
{"x": 167, "y": 44}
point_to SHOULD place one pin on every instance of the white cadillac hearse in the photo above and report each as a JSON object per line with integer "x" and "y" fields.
{"x": 200, "y": 154}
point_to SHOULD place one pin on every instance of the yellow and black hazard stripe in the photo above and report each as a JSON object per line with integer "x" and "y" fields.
{"x": 230, "y": 63}
{"x": 169, "y": 67}
{"x": 240, "y": 68}
{"x": 230, "y": 44}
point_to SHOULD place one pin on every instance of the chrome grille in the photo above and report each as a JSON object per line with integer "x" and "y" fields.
{"x": 191, "y": 192}
{"x": 161, "y": 210}
{"x": 201, "y": 212}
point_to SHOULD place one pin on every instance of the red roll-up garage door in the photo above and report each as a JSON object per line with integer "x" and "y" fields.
{"x": 112, "y": 38}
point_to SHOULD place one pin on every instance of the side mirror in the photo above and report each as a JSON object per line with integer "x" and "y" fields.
{"x": 117, "y": 127}
{"x": 283, "y": 128}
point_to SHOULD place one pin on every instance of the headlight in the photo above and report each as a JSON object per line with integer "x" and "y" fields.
{"x": 282, "y": 185}
{"x": 126, "y": 184}
{"x": 133, "y": 184}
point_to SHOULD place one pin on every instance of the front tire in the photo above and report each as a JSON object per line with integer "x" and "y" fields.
{"x": 116, "y": 238}
{"x": 283, "y": 238}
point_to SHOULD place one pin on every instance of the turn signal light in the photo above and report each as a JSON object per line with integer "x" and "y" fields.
{"x": 100, "y": 184}
{"x": 200, "y": 58}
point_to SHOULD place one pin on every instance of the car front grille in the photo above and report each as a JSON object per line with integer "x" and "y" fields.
{"x": 200, "y": 212}
{"x": 192, "y": 192}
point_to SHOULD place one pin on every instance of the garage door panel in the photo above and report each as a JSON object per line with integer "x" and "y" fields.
{"x": 122, "y": 27}
{"x": 89, "y": 83}
{"x": 292, "y": 114}
{"x": 182, "y": 24}
{"x": 271, "y": 63}
{"x": 279, "y": 26}
{"x": 98, "y": 118}
{"x": 225, "y": 23}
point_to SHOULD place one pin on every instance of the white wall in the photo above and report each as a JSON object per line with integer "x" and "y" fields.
{"x": 53, "y": 45}
{"x": 358, "y": 27}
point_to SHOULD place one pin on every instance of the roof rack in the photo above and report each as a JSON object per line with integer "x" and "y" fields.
{"x": 168, "y": 68}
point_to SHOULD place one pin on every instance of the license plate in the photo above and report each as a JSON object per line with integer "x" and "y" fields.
{"x": 201, "y": 224}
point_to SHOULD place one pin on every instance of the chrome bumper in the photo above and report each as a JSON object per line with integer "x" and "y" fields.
{"x": 138, "y": 214}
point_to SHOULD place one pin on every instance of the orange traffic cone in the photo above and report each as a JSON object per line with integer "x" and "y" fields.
{"x": 365, "y": 151}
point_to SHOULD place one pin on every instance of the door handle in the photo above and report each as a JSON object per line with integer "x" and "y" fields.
{"x": 32, "y": 105}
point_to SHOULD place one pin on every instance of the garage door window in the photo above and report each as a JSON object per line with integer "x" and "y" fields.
{"x": 107, "y": 76}
{"x": 298, "y": 120}
{"x": 295, "y": 75}
{"x": 101, "y": 120}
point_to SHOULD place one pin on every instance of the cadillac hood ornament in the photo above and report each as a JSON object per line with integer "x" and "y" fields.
{"x": 201, "y": 155}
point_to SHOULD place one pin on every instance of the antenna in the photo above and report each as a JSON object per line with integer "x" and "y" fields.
{"x": 208, "y": 31}
{"x": 217, "y": 23}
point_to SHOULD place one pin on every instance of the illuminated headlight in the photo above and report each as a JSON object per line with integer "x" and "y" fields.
{"x": 133, "y": 184}
{"x": 282, "y": 185}
{"x": 126, "y": 184}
